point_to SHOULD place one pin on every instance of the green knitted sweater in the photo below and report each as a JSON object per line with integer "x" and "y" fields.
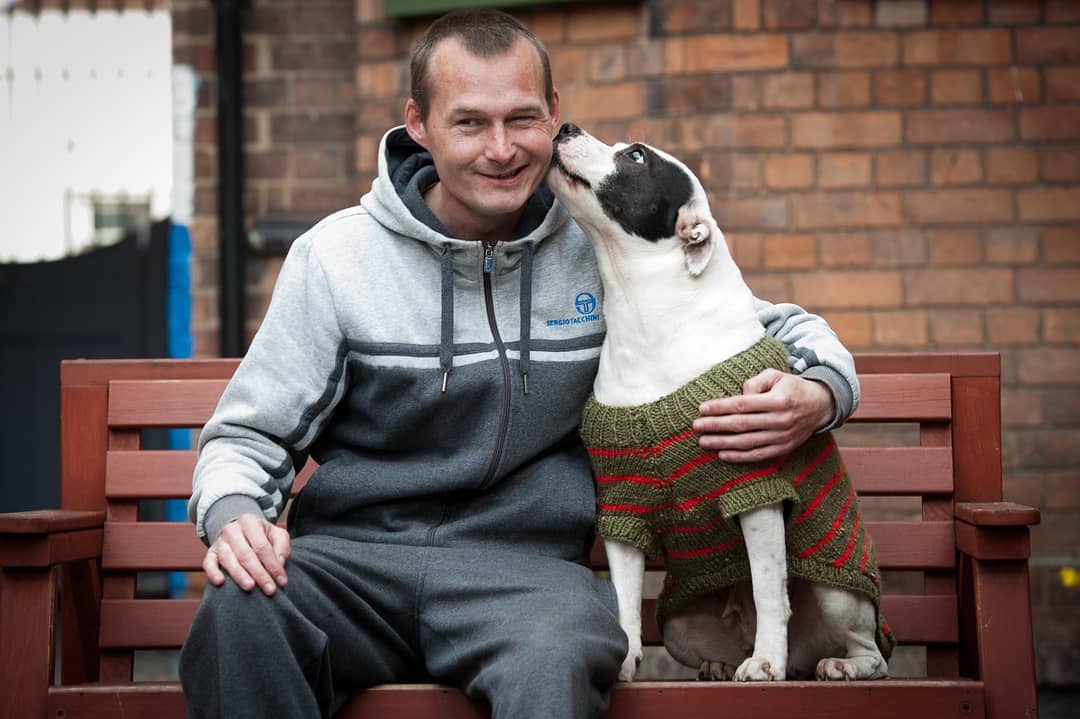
{"x": 659, "y": 491}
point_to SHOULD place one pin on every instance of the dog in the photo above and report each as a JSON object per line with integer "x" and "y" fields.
{"x": 681, "y": 328}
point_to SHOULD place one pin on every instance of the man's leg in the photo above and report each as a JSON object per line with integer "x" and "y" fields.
{"x": 344, "y": 620}
{"x": 535, "y": 636}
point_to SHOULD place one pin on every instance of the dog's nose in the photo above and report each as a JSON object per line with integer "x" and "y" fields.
{"x": 568, "y": 130}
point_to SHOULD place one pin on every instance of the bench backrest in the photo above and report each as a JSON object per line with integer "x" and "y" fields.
{"x": 946, "y": 448}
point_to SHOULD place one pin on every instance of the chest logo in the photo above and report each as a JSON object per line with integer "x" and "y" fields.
{"x": 586, "y": 307}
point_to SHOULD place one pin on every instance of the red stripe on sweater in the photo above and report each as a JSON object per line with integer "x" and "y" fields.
{"x": 688, "y": 553}
{"x": 634, "y": 478}
{"x": 690, "y": 503}
{"x": 817, "y": 460}
{"x": 806, "y": 553}
{"x": 865, "y": 552}
{"x": 650, "y": 451}
{"x": 842, "y": 559}
{"x": 821, "y": 495}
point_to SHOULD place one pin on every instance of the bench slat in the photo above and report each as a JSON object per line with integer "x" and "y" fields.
{"x": 163, "y": 623}
{"x": 173, "y": 546}
{"x": 162, "y": 403}
{"x": 892, "y": 471}
{"x": 904, "y": 398}
{"x": 890, "y": 699}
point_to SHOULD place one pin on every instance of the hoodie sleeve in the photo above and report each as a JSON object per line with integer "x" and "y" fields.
{"x": 278, "y": 400}
{"x": 814, "y": 352}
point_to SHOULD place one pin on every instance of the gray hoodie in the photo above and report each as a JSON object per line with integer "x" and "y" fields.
{"x": 438, "y": 382}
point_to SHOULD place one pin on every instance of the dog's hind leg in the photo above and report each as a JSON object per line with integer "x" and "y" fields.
{"x": 763, "y": 531}
{"x": 853, "y": 620}
{"x": 627, "y": 566}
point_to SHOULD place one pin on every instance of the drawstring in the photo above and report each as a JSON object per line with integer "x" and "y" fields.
{"x": 526, "y": 311}
{"x": 446, "y": 344}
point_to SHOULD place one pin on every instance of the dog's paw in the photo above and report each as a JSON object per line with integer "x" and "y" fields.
{"x": 851, "y": 669}
{"x": 716, "y": 671}
{"x": 758, "y": 669}
{"x": 630, "y": 665}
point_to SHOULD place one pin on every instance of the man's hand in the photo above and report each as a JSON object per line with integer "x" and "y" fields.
{"x": 776, "y": 413}
{"x": 252, "y": 551}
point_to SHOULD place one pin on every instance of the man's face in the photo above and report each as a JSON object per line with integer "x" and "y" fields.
{"x": 489, "y": 130}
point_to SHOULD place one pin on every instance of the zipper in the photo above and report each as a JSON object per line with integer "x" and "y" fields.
{"x": 504, "y": 420}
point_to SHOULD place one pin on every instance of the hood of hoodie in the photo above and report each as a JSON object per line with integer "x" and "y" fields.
{"x": 396, "y": 200}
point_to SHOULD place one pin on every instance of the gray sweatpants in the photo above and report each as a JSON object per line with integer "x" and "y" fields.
{"x": 535, "y": 636}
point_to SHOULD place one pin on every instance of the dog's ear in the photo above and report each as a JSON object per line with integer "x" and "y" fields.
{"x": 695, "y": 229}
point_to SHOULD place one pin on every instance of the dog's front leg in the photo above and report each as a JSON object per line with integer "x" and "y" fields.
{"x": 763, "y": 530}
{"x": 627, "y": 565}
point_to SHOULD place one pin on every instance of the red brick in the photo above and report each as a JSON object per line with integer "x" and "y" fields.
{"x": 729, "y": 53}
{"x": 843, "y": 170}
{"x": 269, "y": 165}
{"x": 843, "y": 89}
{"x": 1049, "y": 205}
{"x": 900, "y": 169}
{"x": 1047, "y": 46}
{"x": 786, "y": 172}
{"x": 955, "y": 247}
{"x": 1061, "y": 244}
{"x": 569, "y": 66}
{"x": 903, "y": 329}
{"x": 855, "y": 129}
{"x": 855, "y": 329}
{"x": 1061, "y": 11}
{"x": 1061, "y": 324}
{"x": 689, "y": 132}
{"x": 787, "y": 14}
{"x": 1012, "y": 326}
{"x": 1014, "y": 12}
{"x": 956, "y": 87}
{"x": 680, "y": 16}
{"x": 957, "y": 327}
{"x": 845, "y": 13}
{"x": 956, "y": 12}
{"x": 1012, "y": 245}
{"x": 1011, "y": 166}
{"x": 957, "y": 47}
{"x": 788, "y": 252}
{"x": 681, "y": 94}
{"x": 788, "y": 90}
{"x": 958, "y": 206}
{"x": 958, "y": 287}
{"x": 645, "y": 58}
{"x": 747, "y": 248}
{"x": 746, "y": 92}
{"x": 894, "y": 88}
{"x": 935, "y": 127}
{"x": 955, "y": 167}
{"x": 1060, "y": 164}
{"x": 841, "y": 210}
{"x": 746, "y": 172}
{"x": 1062, "y": 83}
{"x": 1022, "y": 408}
{"x": 1064, "y": 407}
{"x": 735, "y": 131}
{"x": 847, "y": 49}
{"x": 326, "y": 164}
{"x": 622, "y": 100}
{"x": 772, "y": 287}
{"x": 753, "y": 213}
{"x": 900, "y": 248}
{"x": 323, "y": 93}
{"x": 610, "y": 22}
{"x": 607, "y": 63}
{"x": 1050, "y": 123}
{"x": 845, "y": 249}
{"x": 1014, "y": 85}
{"x": 1049, "y": 285}
{"x": 1062, "y": 492}
{"x": 1050, "y": 366}
{"x": 847, "y": 290}
{"x": 747, "y": 14}
{"x": 900, "y": 13}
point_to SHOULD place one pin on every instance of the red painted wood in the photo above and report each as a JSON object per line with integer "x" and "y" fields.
{"x": 997, "y": 514}
{"x": 1005, "y": 645}
{"x": 27, "y": 604}
{"x": 163, "y": 403}
{"x": 993, "y": 542}
{"x": 904, "y": 398}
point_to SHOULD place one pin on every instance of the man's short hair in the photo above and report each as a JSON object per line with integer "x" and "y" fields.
{"x": 485, "y": 33}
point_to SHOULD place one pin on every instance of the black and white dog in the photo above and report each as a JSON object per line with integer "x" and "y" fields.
{"x": 675, "y": 306}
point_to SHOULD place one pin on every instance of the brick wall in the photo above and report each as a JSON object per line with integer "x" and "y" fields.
{"x": 909, "y": 169}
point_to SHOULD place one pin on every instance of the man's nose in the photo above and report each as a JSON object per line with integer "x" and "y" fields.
{"x": 499, "y": 146}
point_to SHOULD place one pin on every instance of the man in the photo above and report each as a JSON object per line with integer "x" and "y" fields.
{"x": 432, "y": 349}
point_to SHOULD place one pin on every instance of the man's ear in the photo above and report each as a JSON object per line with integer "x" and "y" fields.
{"x": 414, "y": 123}
{"x": 695, "y": 229}
{"x": 554, "y": 109}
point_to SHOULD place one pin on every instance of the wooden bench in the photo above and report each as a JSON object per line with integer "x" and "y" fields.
{"x": 68, "y": 585}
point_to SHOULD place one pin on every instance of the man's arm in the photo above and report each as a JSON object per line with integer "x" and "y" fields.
{"x": 779, "y": 411}
{"x": 273, "y": 408}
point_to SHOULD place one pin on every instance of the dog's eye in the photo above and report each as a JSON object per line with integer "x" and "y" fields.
{"x": 636, "y": 156}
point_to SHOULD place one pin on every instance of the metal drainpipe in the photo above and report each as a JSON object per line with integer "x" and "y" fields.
{"x": 230, "y": 131}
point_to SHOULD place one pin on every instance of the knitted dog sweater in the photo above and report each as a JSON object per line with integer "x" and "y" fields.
{"x": 662, "y": 493}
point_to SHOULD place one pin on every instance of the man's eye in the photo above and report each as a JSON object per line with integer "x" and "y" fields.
{"x": 636, "y": 156}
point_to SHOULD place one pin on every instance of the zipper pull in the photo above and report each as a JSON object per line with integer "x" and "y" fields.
{"x": 489, "y": 257}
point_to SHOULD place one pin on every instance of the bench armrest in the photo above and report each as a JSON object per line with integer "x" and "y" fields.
{"x": 48, "y": 537}
{"x": 996, "y": 514}
{"x": 994, "y": 530}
